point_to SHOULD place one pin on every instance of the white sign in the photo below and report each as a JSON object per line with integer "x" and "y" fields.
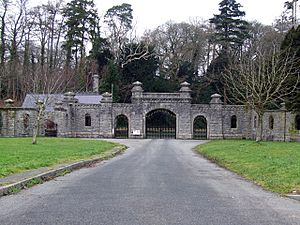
{"x": 136, "y": 132}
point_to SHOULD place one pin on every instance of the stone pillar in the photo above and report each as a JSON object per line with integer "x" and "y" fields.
{"x": 137, "y": 92}
{"x": 185, "y": 91}
{"x": 61, "y": 119}
{"x": 69, "y": 102}
{"x": 285, "y": 133}
{"x": 9, "y": 119}
{"x": 215, "y": 125}
{"x": 95, "y": 83}
{"x": 137, "y": 115}
{"x": 106, "y": 116}
{"x": 184, "y": 126}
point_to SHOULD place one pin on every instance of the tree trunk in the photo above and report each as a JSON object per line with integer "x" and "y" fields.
{"x": 37, "y": 123}
{"x": 259, "y": 132}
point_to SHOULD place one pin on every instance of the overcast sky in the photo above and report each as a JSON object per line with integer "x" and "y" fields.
{"x": 152, "y": 13}
{"x": 149, "y": 14}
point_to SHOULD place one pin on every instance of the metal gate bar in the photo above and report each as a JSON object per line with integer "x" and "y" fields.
{"x": 200, "y": 128}
{"x": 161, "y": 124}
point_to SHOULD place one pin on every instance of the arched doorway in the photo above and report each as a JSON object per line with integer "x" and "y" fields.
{"x": 50, "y": 128}
{"x": 200, "y": 128}
{"x": 121, "y": 127}
{"x": 161, "y": 123}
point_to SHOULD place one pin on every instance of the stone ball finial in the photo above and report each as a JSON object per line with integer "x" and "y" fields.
{"x": 185, "y": 87}
{"x": 137, "y": 87}
{"x": 216, "y": 99}
{"x": 137, "y": 83}
{"x": 70, "y": 94}
{"x": 9, "y": 102}
{"x": 39, "y": 102}
{"x": 70, "y": 97}
{"x": 106, "y": 98}
{"x": 106, "y": 95}
{"x": 185, "y": 84}
{"x": 283, "y": 106}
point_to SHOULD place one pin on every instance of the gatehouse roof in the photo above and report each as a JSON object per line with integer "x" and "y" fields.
{"x": 50, "y": 99}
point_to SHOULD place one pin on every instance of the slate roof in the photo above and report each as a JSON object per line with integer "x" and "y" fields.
{"x": 83, "y": 98}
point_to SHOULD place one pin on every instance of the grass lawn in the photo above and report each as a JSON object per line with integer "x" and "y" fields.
{"x": 18, "y": 154}
{"x": 273, "y": 165}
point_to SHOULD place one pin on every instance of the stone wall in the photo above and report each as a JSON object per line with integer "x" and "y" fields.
{"x": 17, "y": 122}
{"x": 75, "y": 119}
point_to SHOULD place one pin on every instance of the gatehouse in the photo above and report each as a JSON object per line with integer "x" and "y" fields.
{"x": 149, "y": 115}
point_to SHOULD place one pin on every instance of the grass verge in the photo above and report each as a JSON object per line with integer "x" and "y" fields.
{"x": 273, "y": 165}
{"x": 18, "y": 154}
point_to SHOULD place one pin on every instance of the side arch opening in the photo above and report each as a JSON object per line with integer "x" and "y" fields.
{"x": 200, "y": 128}
{"x": 121, "y": 126}
{"x": 50, "y": 128}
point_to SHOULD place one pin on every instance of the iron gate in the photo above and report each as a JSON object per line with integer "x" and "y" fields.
{"x": 50, "y": 129}
{"x": 161, "y": 123}
{"x": 121, "y": 127}
{"x": 200, "y": 128}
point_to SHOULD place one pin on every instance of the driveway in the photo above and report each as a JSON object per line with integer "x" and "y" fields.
{"x": 154, "y": 182}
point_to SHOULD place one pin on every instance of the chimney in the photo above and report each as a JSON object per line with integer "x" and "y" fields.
{"x": 95, "y": 83}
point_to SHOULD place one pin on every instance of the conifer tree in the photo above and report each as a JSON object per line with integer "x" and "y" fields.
{"x": 230, "y": 33}
{"x": 231, "y": 29}
{"x": 291, "y": 46}
{"x": 81, "y": 18}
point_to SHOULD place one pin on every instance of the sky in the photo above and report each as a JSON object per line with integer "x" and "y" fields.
{"x": 149, "y": 14}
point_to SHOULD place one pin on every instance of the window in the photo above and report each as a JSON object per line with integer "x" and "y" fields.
{"x": 297, "y": 122}
{"x": 271, "y": 122}
{"x": 233, "y": 121}
{"x": 26, "y": 121}
{"x": 254, "y": 121}
{"x": 88, "y": 120}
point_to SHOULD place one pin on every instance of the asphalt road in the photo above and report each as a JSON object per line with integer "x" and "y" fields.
{"x": 155, "y": 182}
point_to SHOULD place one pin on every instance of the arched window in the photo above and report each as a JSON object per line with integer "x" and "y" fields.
{"x": 26, "y": 121}
{"x": 88, "y": 120}
{"x": 254, "y": 121}
{"x": 271, "y": 122}
{"x": 233, "y": 122}
{"x": 297, "y": 122}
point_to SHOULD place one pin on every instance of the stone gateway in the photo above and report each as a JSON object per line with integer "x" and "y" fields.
{"x": 149, "y": 115}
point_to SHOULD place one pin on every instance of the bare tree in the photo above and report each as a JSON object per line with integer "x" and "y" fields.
{"x": 4, "y": 10}
{"x": 16, "y": 26}
{"x": 176, "y": 43}
{"x": 261, "y": 80}
{"x": 43, "y": 87}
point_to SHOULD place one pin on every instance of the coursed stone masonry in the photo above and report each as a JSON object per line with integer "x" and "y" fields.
{"x": 78, "y": 119}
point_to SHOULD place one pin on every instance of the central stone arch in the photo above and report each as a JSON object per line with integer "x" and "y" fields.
{"x": 161, "y": 124}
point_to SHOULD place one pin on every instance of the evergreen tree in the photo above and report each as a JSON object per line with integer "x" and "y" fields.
{"x": 291, "y": 46}
{"x": 230, "y": 33}
{"x": 231, "y": 29}
{"x": 111, "y": 81}
{"x": 215, "y": 72}
{"x": 81, "y": 18}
